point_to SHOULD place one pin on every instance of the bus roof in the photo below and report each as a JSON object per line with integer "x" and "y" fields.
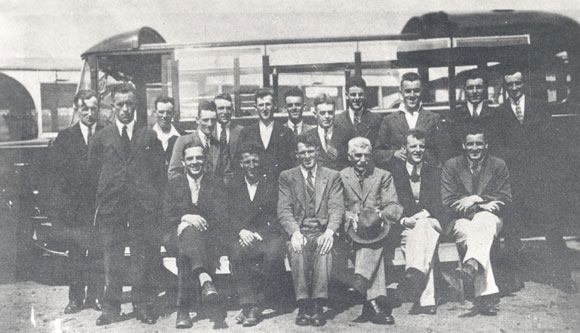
{"x": 126, "y": 41}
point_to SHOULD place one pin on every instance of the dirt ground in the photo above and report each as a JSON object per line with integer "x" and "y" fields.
{"x": 540, "y": 307}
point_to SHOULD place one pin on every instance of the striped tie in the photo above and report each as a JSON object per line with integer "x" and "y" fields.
{"x": 310, "y": 184}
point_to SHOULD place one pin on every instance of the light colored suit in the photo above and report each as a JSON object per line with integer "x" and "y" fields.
{"x": 377, "y": 191}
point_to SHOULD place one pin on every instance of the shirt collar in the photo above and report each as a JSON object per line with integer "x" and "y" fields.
{"x": 410, "y": 168}
{"x": 403, "y": 107}
{"x": 305, "y": 172}
{"x": 471, "y": 109}
{"x": 220, "y": 126}
{"x": 159, "y": 131}
{"x": 86, "y": 128}
{"x": 129, "y": 126}
{"x": 322, "y": 131}
{"x": 250, "y": 184}
{"x": 521, "y": 101}
{"x": 191, "y": 179}
{"x": 291, "y": 125}
{"x": 204, "y": 138}
{"x": 262, "y": 125}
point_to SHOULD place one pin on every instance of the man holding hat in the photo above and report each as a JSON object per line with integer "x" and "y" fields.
{"x": 371, "y": 205}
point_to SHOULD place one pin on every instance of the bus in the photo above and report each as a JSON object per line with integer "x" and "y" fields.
{"x": 442, "y": 47}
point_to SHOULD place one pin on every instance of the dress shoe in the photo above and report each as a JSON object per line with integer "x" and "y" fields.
{"x": 145, "y": 316}
{"x": 487, "y": 305}
{"x": 417, "y": 309}
{"x": 317, "y": 318}
{"x": 302, "y": 318}
{"x": 183, "y": 319}
{"x": 469, "y": 271}
{"x": 106, "y": 319}
{"x": 413, "y": 283}
{"x": 253, "y": 317}
{"x": 242, "y": 315}
{"x": 94, "y": 304}
{"x": 209, "y": 293}
{"x": 378, "y": 315}
{"x": 73, "y": 306}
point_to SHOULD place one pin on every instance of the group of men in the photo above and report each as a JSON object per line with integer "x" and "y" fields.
{"x": 268, "y": 190}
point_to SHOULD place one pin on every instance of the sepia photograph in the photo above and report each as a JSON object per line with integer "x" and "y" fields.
{"x": 289, "y": 166}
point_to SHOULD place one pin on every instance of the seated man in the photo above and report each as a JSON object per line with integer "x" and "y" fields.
{"x": 258, "y": 237}
{"x": 369, "y": 189}
{"x": 419, "y": 190}
{"x": 310, "y": 208}
{"x": 475, "y": 189}
{"x": 195, "y": 213}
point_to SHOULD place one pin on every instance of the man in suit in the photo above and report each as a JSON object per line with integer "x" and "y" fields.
{"x": 332, "y": 140}
{"x": 227, "y": 134}
{"x": 258, "y": 240}
{"x": 418, "y": 187}
{"x": 206, "y": 123}
{"x": 75, "y": 205}
{"x": 276, "y": 139}
{"x": 195, "y": 219}
{"x": 411, "y": 114}
{"x": 294, "y": 105}
{"x": 166, "y": 132}
{"x": 128, "y": 162}
{"x": 532, "y": 151}
{"x": 369, "y": 190}
{"x": 475, "y": 190}
{"x": 310, "y": 208}
{"x": 357, "y": 118}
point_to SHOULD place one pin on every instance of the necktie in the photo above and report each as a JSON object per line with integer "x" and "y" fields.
{"x": 361, "y": 179}
{"x": 295, "y": 130}
{"x": 519, "y": 113}
{"x": 194, "y": 192}
{"x": 356, "y": 120}
{"x": 475, "y": 167}
{"x": 330, "y": 150}
{"x": 89, "y": 135}
{"x": 125, "y": 140}
{"x": 414, "y": 175}
{"x": 224, "y": 157}
{"x": 208, "y": 164}
{"x": 224, "y": 138}
{"x": 310, "y": 184}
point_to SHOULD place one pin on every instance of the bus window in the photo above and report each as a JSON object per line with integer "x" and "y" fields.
{"x": 558, "y": 78}
{"x": 57, "y": 106}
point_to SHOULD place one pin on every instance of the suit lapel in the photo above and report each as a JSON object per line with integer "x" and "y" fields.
{"x": 352, "y": 181}
{"x": 465, "y": 176}
{"x": 368, "y": 182}
{"x": 115, "y": 136}
{"x": 484, "y": 176}
{"x": 298, "y": 181}
{"x": 138, "y": 134}
{"x": 321, "y": 180}
{"x": 402, "y": 122}
{"x": 421, "y": 119}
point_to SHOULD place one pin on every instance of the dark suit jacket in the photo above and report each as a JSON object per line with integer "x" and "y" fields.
{"x": 232, "y": 164}
{"x": 393, "y": 132}
{"x": 461, "y": 118}
{"x": 175, "y": 166}
{"x": 279, "y": 155}
{"x": 305, "y": 127}
{"x": 456, "y": 183}
{"x": 368, "y": 127}
{"x": 429, "y": 194}
{"x": 329, "y": 202}
{"x": 340, "y": 137}
{"x": 139, "y": 174}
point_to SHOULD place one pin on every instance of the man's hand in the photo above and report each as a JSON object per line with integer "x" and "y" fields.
{"x": 196, "y": 221}
{"x": 401, "y": 154}
{"x": 298, "y": 241}
{"x": 325, "y": 241}
{"x": 462, "y": 205}
{"x": 492, "y": 206}
{"x": 409, "y": 222}
{"x": 246, "y": 237}
{"x": 353, "y": 218}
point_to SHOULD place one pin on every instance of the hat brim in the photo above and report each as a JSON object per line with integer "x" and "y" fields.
{"x": 384, "y": 231}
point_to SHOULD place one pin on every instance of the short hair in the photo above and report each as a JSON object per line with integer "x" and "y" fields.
{"x": 410, "y": 76}
{"x": 417, "y": 133}
{"x": 122, "y": 88}
{"x": 511, "y": 70}
{"x": 250, "y": 147}
{"x": 224, "y": 96}
{"x": 294, "y": 92}
{"x": 192, "y": 144}
{"x": 324, "y": 98}
{"x": 263, "y": 92}
{"x": 206, "y": 105}
{"x": 359, "y": 142}
{"x": 306, "y": 139}
{"x": 164, "y": 99}
{"x": 475, "y": 74}
{"x": 355, "y": 81}
{"x": 83, "y": 95}
{"x": 474, "y": 129}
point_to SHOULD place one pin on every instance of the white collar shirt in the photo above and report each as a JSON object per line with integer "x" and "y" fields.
{"x": 266, "y": 133}
{"x": 252, "y": 188}
{"x": 521, "y": 102}
{"x": 411, "y": 117}
{"x": 305, "y": 173}
{"x": 203, "y": 138}
{"x": 298, "y": 126}
{"x": 85, "y": 131}
{"x": 219, "y": 131}
{"x": 325, "y": 135}
{"x": 129, "y": 128}
{"x": 194, "y": 186}
{"x": 164, "y": 137}
{"x": 477, "y": 110}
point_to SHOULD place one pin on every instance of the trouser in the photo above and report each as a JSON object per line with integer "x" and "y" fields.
{"x": 310, "y": 269}
{"x": 476, "y": 236}
{"x": 254, "y": 266}
{"x": 116, "y": 234}
{"x": 370, "y": 264}
{"x": 418, "y": 246}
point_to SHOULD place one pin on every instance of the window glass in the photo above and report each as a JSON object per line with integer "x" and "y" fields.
{"x": 57, "y": 106}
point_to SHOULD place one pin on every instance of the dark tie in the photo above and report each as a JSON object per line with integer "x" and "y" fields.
{"x": 414, "y": 175}
{"x": 224, "y": 158}
{"x": 310, "y": 184}
{"x": 89, "y": 135}
{"x": 295, "y": 130}
{"x": 330, "y": 150}
{"x": 125, "y": 140}
{"x": 475, "y": 167}
{"x": 356, "y": 120}
{"x": 519, "y": 113}
{"x": 224, "y": 138}
{"x": 208, "y": 164}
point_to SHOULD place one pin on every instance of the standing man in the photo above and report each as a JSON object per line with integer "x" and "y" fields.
{"x": 74, "y": 207}
{"x": 129, "y": 163}
{"x": 206, "y": 123}
{"x": 371, "y": 207}
{"x": 418, "y": 187}
{"x": 258, "y": 239}
{"x": 276, "y": 139}
{"x": 227, "y": 134}
{"x": 357, "y": 118}
{"x": 332, "y": 140}
{"x": 166, "y": 132}
{"x": 310, "y": 208}
{"x": 475, "y": 190}
{"x": 534, "y": 156}
{"x": 294, "y": 105}
{"x": 411, "y": 115}
{"x": 195, "y": 216}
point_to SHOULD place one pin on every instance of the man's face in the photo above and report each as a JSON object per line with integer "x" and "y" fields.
{"x": 88, "y": 110}
{"x": 193, "y": 159}
{"x": 325, "y": 115}
{"x": 294, "y": 106}
{"x": 474, "y": 89}
{"x": 164, "y": 113}
{"x": 514, "y": 84}
{"x": 265, "y": 107}
{"x": 411, "y": 91}
{"x": 355, "y": 98}
{"x": 224, "y": 110}
{"x": 415, "y": 149}
{"x": 124, "y": 106}
{"x": 250, "y": 163}
{"x": 207, "y": 121}
{"x": 475, "y": 146}
{"x": 360, "y": 158}
{"x": 306, "y": 155}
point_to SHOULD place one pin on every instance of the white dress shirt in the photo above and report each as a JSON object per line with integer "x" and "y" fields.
{"x": 305, "y": 173}
{"x": 415, "y": 186}
{"x": 251, "y": 188}
{"x": 411, "y": 117}
{"x": 85, "y": 131}
{"x": 324, "y": 135}
{"x": 477, "y": 109}
{"x": 129, "y": 128}
{"x": 194, "y": 186}
{"x": 164, "y": 137}
{"x": 219, "y": 132}
{"x": 521, "y": 102}
{"x": 291, "y": 126}
{"x": 266, "y": 133}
